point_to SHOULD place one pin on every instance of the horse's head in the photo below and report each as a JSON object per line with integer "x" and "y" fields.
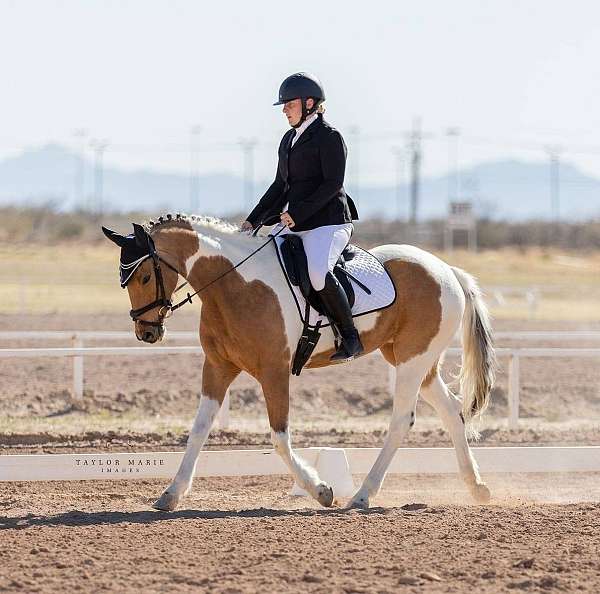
{"x": 149, "y": 279}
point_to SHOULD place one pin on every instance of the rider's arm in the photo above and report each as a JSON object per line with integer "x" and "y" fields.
{"x": 269, "y": 199}
{"x": 333, "y": 164}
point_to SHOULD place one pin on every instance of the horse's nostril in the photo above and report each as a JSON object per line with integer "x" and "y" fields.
{"x": 148, "y": 336}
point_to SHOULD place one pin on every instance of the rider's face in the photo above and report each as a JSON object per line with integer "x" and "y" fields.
{"x": 293, "y": 110}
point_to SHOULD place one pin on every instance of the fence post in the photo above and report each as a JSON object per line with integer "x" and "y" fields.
{"x": 77, "y": 371}
{"x": 514, "y": 381}
{"x": 224, "y": 412}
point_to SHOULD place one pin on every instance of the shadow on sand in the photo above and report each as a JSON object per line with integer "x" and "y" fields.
{"x": 82, "y": 518}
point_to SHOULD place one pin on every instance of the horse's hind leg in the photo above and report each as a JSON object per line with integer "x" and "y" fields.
{"x": 408, "y": 379}
{"x": 436, "y": 393}
{"x": 276, "y": 392}
{"x": 217, "y": 374}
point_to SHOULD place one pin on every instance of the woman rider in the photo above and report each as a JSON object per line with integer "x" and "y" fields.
{"x": 308, "y": 195}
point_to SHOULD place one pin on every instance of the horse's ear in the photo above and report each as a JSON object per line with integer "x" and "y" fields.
{"x": 141, "y": 236}
{"x": 114, "y": 237}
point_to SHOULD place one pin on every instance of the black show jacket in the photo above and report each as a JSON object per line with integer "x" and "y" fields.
{"x": 310, "y": 177}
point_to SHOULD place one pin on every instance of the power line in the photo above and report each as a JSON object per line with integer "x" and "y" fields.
{"x": 452, "y": 134}
{"x": 248, "y": 145}
{"x": 355, "y": 135}
{"x": 98, "y": 146}
{"x": 194, "y": 169}
{"x": 414, "y": 143}
{"x": 79, "y": 183}
{"x": 554, "y": 152}
{"x": 399, "y": 159}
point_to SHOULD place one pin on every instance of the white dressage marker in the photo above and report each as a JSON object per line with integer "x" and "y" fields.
{"x": 332, "y": 466}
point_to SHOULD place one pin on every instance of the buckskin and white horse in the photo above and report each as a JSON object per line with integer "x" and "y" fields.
{"x": 249, "y": 321}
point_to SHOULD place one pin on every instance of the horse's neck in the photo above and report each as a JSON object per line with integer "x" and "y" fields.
{"x": 218, "y": 252}
{"x": 176, "y": 245}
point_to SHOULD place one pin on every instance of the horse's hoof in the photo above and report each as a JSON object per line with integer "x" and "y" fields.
{"x": 359, "y": 502}
{"x": 166, "y": 502}
{"x": 325, "y": 495}
{"x": 481, "y": 493}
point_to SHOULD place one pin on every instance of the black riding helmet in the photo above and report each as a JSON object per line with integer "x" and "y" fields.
{"x": 302, "y": 85}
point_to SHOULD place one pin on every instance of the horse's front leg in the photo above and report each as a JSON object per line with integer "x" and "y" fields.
{"x": 217, "y": 375}
{"x": 276, "y": 390}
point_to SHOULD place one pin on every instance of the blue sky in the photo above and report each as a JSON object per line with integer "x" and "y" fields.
{"x": 513, "y": 76}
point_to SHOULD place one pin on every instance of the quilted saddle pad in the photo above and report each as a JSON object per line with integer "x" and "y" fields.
{"x": 367, "y": 269}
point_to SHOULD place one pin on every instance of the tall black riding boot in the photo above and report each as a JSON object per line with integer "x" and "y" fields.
{"x": 335, "y": 300}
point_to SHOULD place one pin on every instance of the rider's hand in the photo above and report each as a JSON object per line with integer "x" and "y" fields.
{"x": 246, "y": 226}
{"x": 287, "y": 220}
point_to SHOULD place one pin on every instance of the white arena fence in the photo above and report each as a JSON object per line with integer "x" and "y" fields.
{"x": 335, "y": 465}
{"x": 78, "y": 351}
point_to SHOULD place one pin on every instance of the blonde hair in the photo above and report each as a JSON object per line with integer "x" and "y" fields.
{"x": 321, "y": 108}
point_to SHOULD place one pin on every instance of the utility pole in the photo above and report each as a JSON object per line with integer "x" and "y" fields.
{"x": 79, "y": 183}
{"x": 414, "y": 143}
{"x": 98, "y": 146}
{"x": 453, "y": 176}
{"x": 355, "y": 152}
{"x": 399, "y": 157}
{"x": 194, "y": 169}
{"x": 248, "y": 145}
{"x": 554, "y": 154}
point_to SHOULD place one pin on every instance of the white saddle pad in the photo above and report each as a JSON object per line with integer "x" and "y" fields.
{"x": 368, "y": 270}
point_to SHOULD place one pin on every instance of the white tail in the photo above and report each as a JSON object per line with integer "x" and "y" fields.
{"x": 478, "y": 368}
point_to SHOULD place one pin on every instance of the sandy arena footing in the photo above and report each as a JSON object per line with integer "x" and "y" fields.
{"x": 247, "y": 535}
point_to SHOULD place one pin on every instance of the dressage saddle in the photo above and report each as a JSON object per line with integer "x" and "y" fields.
{"x": 296, "y": 266}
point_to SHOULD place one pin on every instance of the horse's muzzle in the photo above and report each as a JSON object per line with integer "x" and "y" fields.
{"x": 149, "y": 333}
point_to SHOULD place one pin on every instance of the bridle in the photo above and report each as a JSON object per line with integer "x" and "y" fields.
{"x": 166, "y": 305}
{"x": 161, "y": 300}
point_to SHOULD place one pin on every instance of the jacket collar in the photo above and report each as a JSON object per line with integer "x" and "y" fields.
{"x": 308, "y": 121}
{"x": 309, "y": 132}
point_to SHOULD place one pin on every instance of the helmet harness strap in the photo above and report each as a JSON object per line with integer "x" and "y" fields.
{"x": 305, "y": 111}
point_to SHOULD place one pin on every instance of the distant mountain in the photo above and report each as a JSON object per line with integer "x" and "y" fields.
{"x": 503, "y": 189}
{"x": 49, "y": 174}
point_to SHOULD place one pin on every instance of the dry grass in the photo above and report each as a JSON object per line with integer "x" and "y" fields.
{"x": 101, "y": 422}
{"x": 60, "y": 279}
{"x": 566, "y": 284}
{"x": 546, "y": 268}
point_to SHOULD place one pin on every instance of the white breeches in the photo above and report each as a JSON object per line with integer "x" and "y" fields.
{"x": 323, "y": 247}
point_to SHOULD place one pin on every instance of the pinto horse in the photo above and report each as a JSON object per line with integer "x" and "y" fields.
{"x": 249, "y": 322}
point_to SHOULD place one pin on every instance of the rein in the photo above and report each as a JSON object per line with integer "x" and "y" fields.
{"x": 188, "y": 299}
{"x": 166, "y": 305}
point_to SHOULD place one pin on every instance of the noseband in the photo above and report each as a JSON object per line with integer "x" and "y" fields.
{"x": 161, "y": 295}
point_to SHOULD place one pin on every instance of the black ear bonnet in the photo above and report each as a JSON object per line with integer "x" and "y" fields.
{"x": 135, "y": 249}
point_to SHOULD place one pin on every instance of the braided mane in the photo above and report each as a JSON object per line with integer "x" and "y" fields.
{"x": 181, "y": 219}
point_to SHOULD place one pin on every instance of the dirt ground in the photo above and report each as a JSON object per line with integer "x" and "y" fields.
{"x": 248, "y": 535}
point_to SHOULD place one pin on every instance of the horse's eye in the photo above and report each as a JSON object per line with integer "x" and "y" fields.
{"x": 146, "y": 279}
